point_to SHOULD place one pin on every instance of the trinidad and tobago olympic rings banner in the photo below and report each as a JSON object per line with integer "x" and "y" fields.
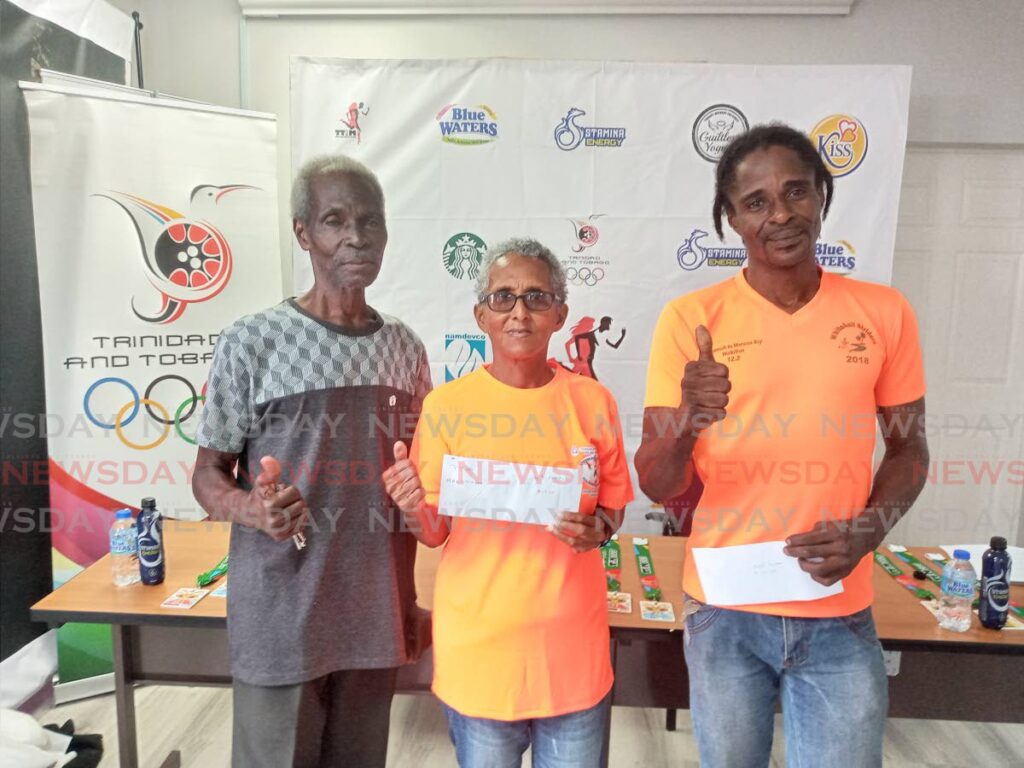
{"x": 155, "y": 227}
{"x": 609, "y": 164}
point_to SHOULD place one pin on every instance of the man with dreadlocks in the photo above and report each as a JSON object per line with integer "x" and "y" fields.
{"x": 772, "y": 381}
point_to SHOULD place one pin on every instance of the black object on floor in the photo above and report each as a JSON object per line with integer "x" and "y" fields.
{"x": 88, "y": 746}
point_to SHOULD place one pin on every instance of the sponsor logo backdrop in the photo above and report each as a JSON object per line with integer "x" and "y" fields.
{"x": 611, "y": 165}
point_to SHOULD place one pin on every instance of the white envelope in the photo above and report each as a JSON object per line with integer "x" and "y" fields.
{"x": 750, "y": 574}
{"x": 507, "y": 491}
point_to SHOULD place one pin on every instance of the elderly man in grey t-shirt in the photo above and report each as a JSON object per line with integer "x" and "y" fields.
{"x": 305, "y": 400}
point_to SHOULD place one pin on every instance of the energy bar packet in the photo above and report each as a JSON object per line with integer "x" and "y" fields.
{"x": 611, "y": 553}
{"x": 645, "y": 565}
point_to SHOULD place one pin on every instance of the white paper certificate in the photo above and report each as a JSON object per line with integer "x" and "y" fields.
{"x": 507, "y": 491}
{"x": 749, "y": 574}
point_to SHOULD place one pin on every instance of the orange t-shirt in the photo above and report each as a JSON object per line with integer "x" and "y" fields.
{"x": 520, "y": 619}
{"x": 798, "y": 440}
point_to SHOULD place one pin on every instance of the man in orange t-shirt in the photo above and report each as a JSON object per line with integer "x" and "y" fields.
{"x": 771, "y": 382}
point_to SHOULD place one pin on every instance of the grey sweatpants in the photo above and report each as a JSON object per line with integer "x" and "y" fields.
{"x": 334, "y": 721}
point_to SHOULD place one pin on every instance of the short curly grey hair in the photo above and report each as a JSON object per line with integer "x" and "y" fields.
{"x": 530, "y": 248}
{"x": 323, "y": 165}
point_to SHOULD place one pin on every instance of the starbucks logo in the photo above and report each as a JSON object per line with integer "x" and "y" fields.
{"x": 462, "y": 255}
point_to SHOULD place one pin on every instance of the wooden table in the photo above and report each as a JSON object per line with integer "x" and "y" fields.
{"x": 651, "y": 672}
{"x": 169, "y": 646}
{"x": 153, "y": 644}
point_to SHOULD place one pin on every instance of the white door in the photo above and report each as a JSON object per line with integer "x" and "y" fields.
{"x": 960, "y": 261}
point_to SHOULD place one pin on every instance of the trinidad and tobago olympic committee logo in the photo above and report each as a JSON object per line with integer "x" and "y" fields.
{"x": 185, "y": 258}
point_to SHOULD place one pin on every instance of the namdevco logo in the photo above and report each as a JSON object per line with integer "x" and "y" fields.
{"x": 462, "y": 255}
{"x": 842, "y": 142}
{"x": 467, "y": 125}
{"x": 715, "y": 127}
{"x": 463, "y": 353}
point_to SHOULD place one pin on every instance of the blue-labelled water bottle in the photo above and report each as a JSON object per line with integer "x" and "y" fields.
{"x": 958, "y": 579}
{"x": 151, "y": 543}
{"x": 994, "y": 602}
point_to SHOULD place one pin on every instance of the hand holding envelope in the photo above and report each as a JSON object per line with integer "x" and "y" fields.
{"x": 751, "y": 574}
{"x": 507, "y": 491}
{"x": 832, "y": 549}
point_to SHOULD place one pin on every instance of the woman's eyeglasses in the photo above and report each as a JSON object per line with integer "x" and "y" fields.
{"x": 505, "y": 301}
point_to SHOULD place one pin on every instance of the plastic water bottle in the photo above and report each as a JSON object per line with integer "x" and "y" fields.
{"x": 958, "y": 578}
{"x": 124, "y": 549}
{"x": 995, "y": 584}
{"x": 151, "y": 543}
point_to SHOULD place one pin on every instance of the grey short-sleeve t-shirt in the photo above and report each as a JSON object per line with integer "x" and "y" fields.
{"x": 328, "y": 405}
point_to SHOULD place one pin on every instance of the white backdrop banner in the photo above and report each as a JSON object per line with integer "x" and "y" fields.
{"x": 611, "y": 165}
{"x": 155, "y": 227}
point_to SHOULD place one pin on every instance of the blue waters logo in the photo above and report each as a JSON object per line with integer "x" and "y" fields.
{"x": 467, "y": 126}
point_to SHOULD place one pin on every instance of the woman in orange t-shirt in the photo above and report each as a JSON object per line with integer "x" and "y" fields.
{"x": 521, "y": 653}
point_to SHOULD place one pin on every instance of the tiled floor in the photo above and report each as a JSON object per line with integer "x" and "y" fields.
{"x": 198, "y": 722}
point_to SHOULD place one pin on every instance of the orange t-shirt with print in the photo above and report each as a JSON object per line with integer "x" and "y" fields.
{"x": 798, "y": 440}
{"x": 520, "y": 619}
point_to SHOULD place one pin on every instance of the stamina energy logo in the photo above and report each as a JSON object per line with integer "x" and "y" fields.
{"x": 839, "y": 256}
{"x": 569, "y": 134}
{"x": 715, "y": 127}
{"x": 462, "y": 255}
{"x": 467, "y": 125}
{"x": 842, "y": 142}
{"x": 185, "y": 258}
{"x": 463, "y": 353}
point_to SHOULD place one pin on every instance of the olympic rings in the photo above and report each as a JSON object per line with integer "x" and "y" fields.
{"x": 166, "y": 377}
{"x": 177, "y": 414}
{"x": 156, "y": 410}
{"x": 111, "y": 380}
{"x": 584, "y": 275}
{"x": 142, "y": 446}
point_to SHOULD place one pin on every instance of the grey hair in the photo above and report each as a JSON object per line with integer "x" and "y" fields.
{"x": 530, "y": 248}
{"x": 323, "y": 165}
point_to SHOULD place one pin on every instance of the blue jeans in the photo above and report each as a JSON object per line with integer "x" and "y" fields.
{"x": 829, "y": 674}
{"x": 574, "y": 740}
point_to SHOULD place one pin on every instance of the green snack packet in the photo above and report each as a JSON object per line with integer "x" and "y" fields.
{"x": 887, "y": 565}
{"x": 611, "y": 554}
{"x": 644, "y": 564}
{"x": 210, "y": 576}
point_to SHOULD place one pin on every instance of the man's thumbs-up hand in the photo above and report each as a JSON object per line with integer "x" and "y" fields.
{"x": 402, "y": 482}
{"x": 705, "y": 386}
{"x": 279, "y": 510}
